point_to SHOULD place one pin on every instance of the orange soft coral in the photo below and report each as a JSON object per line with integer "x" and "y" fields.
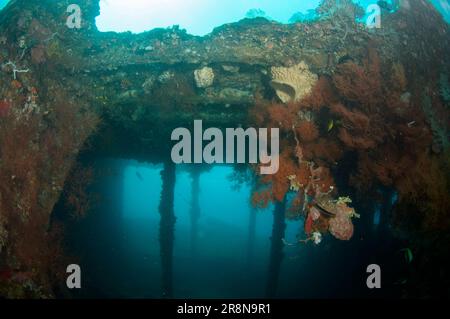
{"x": 360, "y": 84}
{"x": 280, "y": 117}
{"x": 261, "y": 199}
{"x": 362, "y": 111}
{"x": 326, "y": 150}
{"x": 322, "y": 95}
{"x": 279, "y": 182}
{"x": 307, "y": 131}
{"x": 4, "y": 107}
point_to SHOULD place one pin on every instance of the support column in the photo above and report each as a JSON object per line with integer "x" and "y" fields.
{"x": 167, "y": 226}
{"x": 276, "y": 250}
{"x": 195, "y": 209}
{"x": 251, "y": 235}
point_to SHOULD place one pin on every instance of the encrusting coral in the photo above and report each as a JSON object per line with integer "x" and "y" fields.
{"x": 444, "y": 87}
{"x": 3, "y": 234}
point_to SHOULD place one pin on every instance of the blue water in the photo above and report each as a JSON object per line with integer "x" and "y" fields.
{"x": 3, "y": 3}
{"x": 118, "y": 246}
{"x": 200, "y": 17}
{"x": 119, "y": 239}
{"x": 219, "y": 201}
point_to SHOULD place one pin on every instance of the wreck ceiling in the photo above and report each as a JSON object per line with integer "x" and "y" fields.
{"x": 148, "y": 83}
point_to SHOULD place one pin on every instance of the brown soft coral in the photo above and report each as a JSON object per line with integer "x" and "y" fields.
{"x": 307, "y": 131}
{"x": 36, "y": 154}
{"x": 426, "y": 186}
{"x": 279, "y": 182}
{"x": 356, "y": 84}
{"x": 364, "y": 112}
{"x": 322, "y": 95}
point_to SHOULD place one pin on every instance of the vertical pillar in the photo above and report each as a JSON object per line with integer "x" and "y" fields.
{"x": 276, "y": 250}
{"x": 251, "y": 235}
{"x": 195, "y": 208}
{"x": 167, "y": 226}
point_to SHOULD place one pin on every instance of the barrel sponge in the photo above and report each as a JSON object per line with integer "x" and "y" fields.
{"x": 293, "y": 83}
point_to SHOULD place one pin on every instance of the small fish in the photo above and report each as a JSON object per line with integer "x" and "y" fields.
{"x": 285, "y": 242}
{"x": 330, "y": 125}
{"x": 408, "y": 255}
{"x": 139, "y": 176}
{"x": 401, "y": 282}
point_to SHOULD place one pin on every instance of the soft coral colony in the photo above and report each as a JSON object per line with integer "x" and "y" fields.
{"x": 350, "y": 111}
{"x": 38, "y": 147}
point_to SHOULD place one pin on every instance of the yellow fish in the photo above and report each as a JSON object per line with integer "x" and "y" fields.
{"x": 408, "y": 255}
{"x": 330, "y": 125}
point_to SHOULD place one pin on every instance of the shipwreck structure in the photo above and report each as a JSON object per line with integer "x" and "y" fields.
{"x": 69, "y": 90}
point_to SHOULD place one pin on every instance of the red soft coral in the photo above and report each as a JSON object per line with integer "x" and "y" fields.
{"x": 307, "y": 131}
{"x": 5, "y": 106}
